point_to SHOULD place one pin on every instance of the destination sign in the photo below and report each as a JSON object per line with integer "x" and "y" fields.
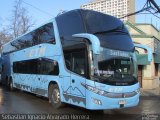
{"x": 119, "y": 53}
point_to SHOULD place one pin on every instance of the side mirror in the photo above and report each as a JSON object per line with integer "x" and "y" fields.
{"x": 93, "y": 39}
{"x": 149, "y": 50}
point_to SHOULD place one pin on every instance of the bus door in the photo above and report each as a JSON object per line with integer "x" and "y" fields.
{"x": 78, "y": 93}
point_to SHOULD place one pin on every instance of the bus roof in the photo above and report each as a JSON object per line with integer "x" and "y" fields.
{"x": 82, "y": 21}
{"x": 89, "y": 21}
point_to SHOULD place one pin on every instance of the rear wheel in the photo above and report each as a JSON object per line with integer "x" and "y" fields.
{"x": 54, "y": 96}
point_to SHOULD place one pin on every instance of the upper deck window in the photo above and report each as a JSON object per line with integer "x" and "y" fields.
{"x": 44, "y": 34}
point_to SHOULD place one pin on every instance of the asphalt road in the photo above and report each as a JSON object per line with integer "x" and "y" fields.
{"x": 19, "y": 102}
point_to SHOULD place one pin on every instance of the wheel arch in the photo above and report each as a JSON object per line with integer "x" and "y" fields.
{"x": 54, "y": 83}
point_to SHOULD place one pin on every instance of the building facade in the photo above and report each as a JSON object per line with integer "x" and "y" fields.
{"x": 117, "y": 8}
{"x": 148, "y": 73}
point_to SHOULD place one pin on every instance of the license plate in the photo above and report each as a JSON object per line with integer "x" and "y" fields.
{"x": 122, "y": 102}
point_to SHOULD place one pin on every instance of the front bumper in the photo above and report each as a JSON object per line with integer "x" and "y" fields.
{"x": 97, "y": 102}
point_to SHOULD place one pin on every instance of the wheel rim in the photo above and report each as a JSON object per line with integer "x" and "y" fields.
{"x": 56, "y": 96}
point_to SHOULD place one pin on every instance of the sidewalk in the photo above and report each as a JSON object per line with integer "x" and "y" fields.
{"x": 151, "y": 92}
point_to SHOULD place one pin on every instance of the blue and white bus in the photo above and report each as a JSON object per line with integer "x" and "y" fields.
{"x": 81, "y": 57}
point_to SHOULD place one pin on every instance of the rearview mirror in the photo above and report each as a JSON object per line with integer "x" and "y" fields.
{"x": 148, "y": 49}
{"x": 93, "y": 39}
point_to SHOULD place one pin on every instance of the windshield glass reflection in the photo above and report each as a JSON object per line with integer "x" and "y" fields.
{"x": 114, "y": 67}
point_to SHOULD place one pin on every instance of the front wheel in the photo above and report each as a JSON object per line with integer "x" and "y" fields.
{"x": 54, "y": 96}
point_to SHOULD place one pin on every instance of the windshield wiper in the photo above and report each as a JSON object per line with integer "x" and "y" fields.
{"x": 100, "y": 78}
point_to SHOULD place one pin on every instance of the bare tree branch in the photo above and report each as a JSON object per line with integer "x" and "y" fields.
{"x": 4, "y": 37}
{"x": 20, "y": 22}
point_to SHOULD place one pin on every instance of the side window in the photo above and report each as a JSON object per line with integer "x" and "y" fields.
{"x": 68, "y": 61}
{"x": 75, "y": 55}
{"x": 76, "y": 62}
{"x": 31, "y": 66}
{"x": 37, "y": 66}
{"x": 26, "y": 67}
{"x": 48, "y": 67}
{"x": 44, "y": 34}
{"x": 79, "y": 61}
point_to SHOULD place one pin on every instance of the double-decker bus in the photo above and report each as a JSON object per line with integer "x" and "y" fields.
{"x": 81, "y": 57}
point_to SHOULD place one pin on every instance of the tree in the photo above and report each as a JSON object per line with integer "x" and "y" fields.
{"x": 20, "y": 21}
{"x": 4, "y": 37}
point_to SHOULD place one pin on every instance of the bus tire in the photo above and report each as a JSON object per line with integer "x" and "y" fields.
{"x": 54, "y": 96}
{"x": 11, "y": 88}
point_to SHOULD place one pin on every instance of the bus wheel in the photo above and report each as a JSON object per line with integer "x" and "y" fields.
{"x": 54, "y": 96}
{"x": 11, "y": 88}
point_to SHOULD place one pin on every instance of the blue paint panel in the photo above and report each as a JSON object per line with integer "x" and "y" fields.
{"x": 110, "y": 103}
{"x": 42, "y": 50}
{"x": 65, "y": 84}
{"x": 77, "y": 91}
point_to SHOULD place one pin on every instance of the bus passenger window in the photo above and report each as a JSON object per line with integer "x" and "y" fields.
{"x": 44, "y": 34}
{"x": 36, "y": 66}
{"x": 53, "y": 68}
{"x": 48, "y": 67}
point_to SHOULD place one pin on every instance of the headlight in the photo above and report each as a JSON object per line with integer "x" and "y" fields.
{"x": 96, "y": 101}
{"x": 138, "y": 90}
{"x": 110, "y": 94}
{"x": 95, "y": 90}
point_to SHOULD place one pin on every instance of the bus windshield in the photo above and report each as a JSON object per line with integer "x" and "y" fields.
{"x": 115, "y": 39}
{"x": 114, "y": 67}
